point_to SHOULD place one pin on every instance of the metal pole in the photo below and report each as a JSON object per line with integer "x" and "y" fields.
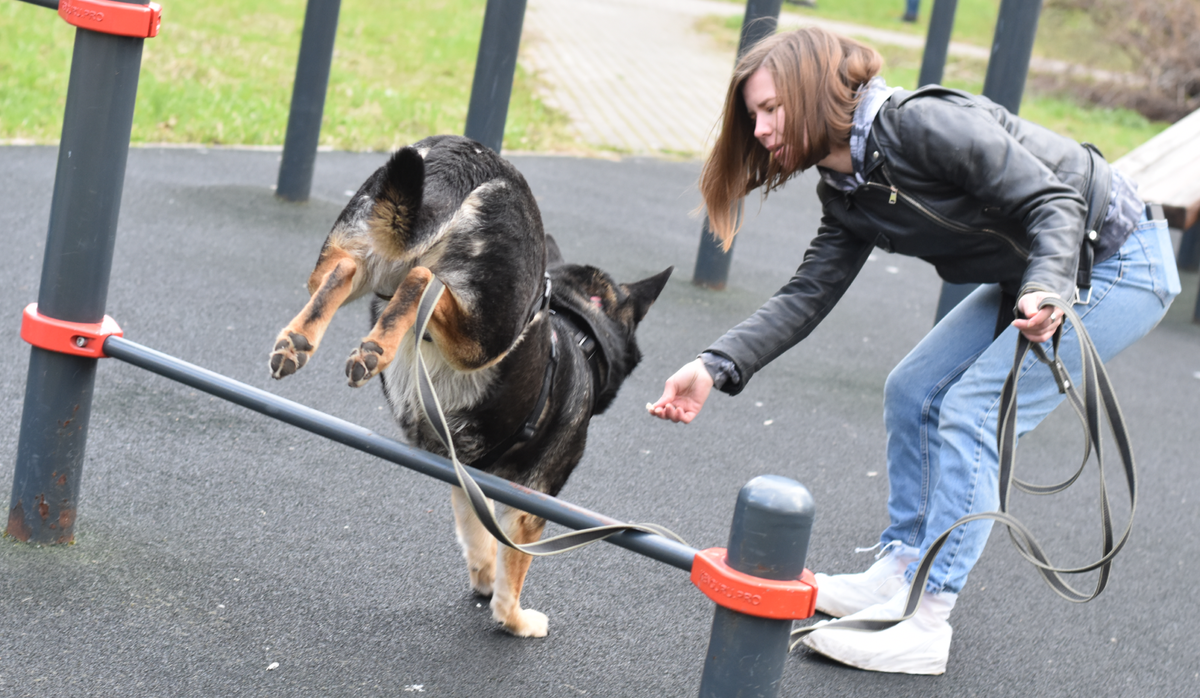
{"x": 772, "y": 523}
{"x": 1189, "y": 248}
{"x": 308, "y": 100}
{"x": 937, "y": 42}
{"x": 536, "y": 503}
{"x": 494, "y": 69}
{"x": 84, "y": 208}
{"x": 1012, "y": 47}
{"x": 712, "y": 263}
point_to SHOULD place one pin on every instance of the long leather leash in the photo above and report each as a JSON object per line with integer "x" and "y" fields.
{"x": 483, "y": 507}
{"x": 1097, "y": 395}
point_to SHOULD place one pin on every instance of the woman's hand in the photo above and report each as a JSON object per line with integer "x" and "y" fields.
{"x": 684, "y": 394}
{"x": 1039, "y": 325}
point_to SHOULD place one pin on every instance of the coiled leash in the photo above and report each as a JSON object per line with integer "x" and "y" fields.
{"x": 483, "y": 507}
{"x": 1097, "y": 394}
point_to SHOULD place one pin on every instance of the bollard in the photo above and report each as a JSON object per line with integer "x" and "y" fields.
{"x": 491, "y": 88}
{"x": 97, "y": 122}
{"x": 937, "y": 42}
{"x": 712, "y": 263}
{"x": 308, "y": 100}
{"x": 772, "y": 523}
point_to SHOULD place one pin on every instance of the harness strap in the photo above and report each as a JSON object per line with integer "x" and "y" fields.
{"x": 1097, "y": 394}
{"x": 526, "y": 431}
{"x": 484, "y": 508}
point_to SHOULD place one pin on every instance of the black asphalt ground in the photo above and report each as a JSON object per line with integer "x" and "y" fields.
{"x": 213, "y": 543}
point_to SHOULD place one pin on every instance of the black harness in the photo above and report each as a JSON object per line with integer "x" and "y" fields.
{"x": 587, "y": 338}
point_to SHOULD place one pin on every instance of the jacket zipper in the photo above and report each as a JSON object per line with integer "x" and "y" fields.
{"x": 894, "y": 192}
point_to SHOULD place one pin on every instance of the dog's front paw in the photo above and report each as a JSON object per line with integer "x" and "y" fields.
{"x": 292, "y": 351}
{"x": 527, "y": 622}
{"x": 364, "y": 363}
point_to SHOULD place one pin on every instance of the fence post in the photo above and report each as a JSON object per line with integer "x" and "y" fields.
{"x": 712, "y": 263}
{"x": 491, "y": 88}
{"x": 308, "y": 100}
{"x": 769, "y": 536}
{"x": 937, "y": 42}
{"x": 1008, "y": 66}
{"x": 84, "y": 208}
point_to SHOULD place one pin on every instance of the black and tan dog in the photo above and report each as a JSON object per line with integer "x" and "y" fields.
{"x": 522, "y": 348}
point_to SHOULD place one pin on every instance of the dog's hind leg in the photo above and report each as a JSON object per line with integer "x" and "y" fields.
{"x": 479, "y": 547}
{"x": 511, "y": 567}
{"x": 331, "y": 284}
{"x": 448, "y": 326}
{"x": 378, "y": 349}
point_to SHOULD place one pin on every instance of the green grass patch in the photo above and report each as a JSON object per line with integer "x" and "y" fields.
{"x": 221, "y": 72}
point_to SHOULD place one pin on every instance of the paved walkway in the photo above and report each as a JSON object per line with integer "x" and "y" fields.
{"x": 635, "y": 76}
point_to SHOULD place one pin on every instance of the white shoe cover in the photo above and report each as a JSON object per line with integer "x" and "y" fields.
{"x": 842, "y": 594}
{"x": 919, "y": 645}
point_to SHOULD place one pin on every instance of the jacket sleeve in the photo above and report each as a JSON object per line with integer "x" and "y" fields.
{"x": 831, "y": 262}
{"x": 978, "y": 148}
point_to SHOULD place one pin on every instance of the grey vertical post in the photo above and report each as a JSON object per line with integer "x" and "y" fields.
{"x": 937, "y": 42}
{"x": 712, "y": 263}
{"x": 1008, "y": 66}
{"x": 1012, "y": 47}
{"x": 491, "y": 89}
{"x": 84, "y": 209}
{"x": 1189, "y": 248}
{"x": 772, "y": 523}
{"x": 308, "y": 100}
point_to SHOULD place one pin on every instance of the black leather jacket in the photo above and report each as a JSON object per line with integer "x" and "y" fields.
{"x": 957, "y": 180}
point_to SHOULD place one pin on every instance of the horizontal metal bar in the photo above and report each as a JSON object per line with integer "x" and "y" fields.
{"x": 538, "y": 503}
{"x": 51, "y": 4}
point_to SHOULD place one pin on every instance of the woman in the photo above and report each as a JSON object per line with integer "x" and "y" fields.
{"x": 987, "y": 198}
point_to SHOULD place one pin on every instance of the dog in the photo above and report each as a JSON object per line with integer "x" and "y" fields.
{"x": 522, "y": 348}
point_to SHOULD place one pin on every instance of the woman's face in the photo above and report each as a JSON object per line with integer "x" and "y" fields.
{"x": 766, "y": 113}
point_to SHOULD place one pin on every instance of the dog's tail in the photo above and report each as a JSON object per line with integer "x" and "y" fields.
{"x": 399, "y": 197}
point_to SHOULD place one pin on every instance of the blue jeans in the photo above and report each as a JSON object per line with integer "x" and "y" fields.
{"x": 940, "y": 403}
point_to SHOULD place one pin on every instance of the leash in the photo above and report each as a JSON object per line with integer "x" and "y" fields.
{"x": 1097, "y": 395}
{"x": 484, "y": 508}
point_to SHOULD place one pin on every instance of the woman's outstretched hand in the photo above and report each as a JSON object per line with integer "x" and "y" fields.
{"x": 1039, "y": 325}
{"x": 684, "y": 394}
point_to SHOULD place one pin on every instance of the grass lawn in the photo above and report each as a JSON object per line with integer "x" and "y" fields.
{"x": 221, "y": 72}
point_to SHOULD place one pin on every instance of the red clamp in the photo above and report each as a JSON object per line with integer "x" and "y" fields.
{"x": 78, "y": 338}
{"x": 791, "y": 599}
{"x": 107, "y": 17}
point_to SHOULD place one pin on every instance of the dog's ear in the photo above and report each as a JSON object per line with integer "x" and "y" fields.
{"x": 403, "y": 187}
{"x": 553, "y": 254}
{"x": 642, "y": 294}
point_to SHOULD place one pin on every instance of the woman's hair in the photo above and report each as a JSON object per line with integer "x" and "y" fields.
{"x": 817, "y": 75}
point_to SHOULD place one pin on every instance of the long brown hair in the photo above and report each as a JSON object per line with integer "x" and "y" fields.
{"x": 817, "y": 74}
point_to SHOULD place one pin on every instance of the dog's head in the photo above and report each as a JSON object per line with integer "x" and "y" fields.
{"x": 609, "y": 312}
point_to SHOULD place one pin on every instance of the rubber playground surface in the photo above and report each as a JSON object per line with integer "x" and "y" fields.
{"x": 220, "y": 553}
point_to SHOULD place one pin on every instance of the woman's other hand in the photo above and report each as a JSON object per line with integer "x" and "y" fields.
{"x": 1038, "y": 325}
{"x": 684, "y": 394}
